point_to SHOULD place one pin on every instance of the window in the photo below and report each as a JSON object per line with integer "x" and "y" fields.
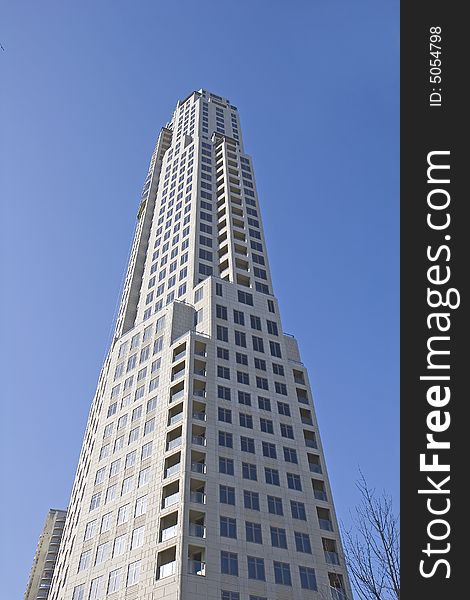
{"x": 244, "y": 398}
{"x": 302, "y": 542}
{"x": 246, "y": 420}
{"x": 90, "y": 530}
{"x": 290, "y": 455}
{"x": 144, "y": 477}
{"x": 293, "y": 482}
{"x": 120, "y": 545}
{"x": 238, "y": 317}
{"x": 240, "y": 339}
{"x": 228, "y": 527}
{"x": 100, "y": 474}
{"x": 287, "y": 431}
{"x": 308, "y": 579}
{"x": 133, "y": 573}
{"x": 255, "y": 322}
{"x": 224, "y": 415}
{"x": 298, "y": 510}
{"x": 223, "y": 353}
{"x": 226, "y": 495}
{"x": 266, "y": 425}
{"x": 226, "y": 595}
{"x": 243, "y": 377}
{"x": 269, "y": 450}
{"x": 223, "y": 372}
{"x": 283, "y": 409}
{"x": 102, "y": 552}
{"x": 115, "y": 581}
{"x": 282, "y": 573}
{"x": 223, "y": 392}
{"x": 275, "y": 505}
{"x": 115, "y": 467}
{"x": 106, "y": 522}
{"x": 96, "y": 588}
{"x": 278, "y": 537}
{"x": 256, "y": 568}
{"x": 85, "y": 560}
{"x": 271, "y": 306}
{"x": 262, "y": 383}
{"x": 229, "y": 563}
{"x": 127, "y": 485}
{"x": 133, "y": 435}
{"x": 138, "y": 537}
{"x": 275, "y": 349}
{"x": 130, "y": 459}
{"x": 79, "y": 592}
{"x": 260, "y": 364}
{"x": 222, "y": 333}
{"x": 247, "y": 444}
{"x": 123, "y": 514}
{"x": 278, "y": 369}
{"x": 95, "y": 501}
{"x": 249, "y": 471}
{"x": 221, "y": 312}
{"x": 225, "y": 439}
{"x": 140, "y": 506}
{"x": 245, "y": 298}
{"x": 253, "y": 532}
{"x": 152, "y": 404}
{"x": 242, "y": 359}
{"x": 149, "y": 426}
{"x": 272, "y": 327}
{"x": 271, "y": 476}
{"x": 218, "y": 286}
{"x": 251, "y": 500}
{"x": 226, "y": 466}
{"x": 264, "y": 403}
{"x": 257, "y": 344}
{"x": 281, "y": 388}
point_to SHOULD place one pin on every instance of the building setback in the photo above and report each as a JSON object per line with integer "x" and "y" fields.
{"x": 46, "y": 555}
{"x": 201, "y": 474}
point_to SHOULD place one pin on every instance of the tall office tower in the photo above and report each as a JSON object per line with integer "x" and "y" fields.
{"x": 201, "y": 473}
{"x": 46, "y": 555}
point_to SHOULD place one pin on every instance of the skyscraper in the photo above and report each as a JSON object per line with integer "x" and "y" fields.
{"x": 39, "y": 582}
{"x": 201, "y": 473}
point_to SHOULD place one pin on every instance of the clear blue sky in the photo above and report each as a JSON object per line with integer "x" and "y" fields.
{"x": 85, "y": 88}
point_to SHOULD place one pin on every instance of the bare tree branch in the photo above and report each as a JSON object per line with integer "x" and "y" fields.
{"x": 372, "y": 546}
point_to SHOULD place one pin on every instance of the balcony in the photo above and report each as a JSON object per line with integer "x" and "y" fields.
{"x": 171, "y": 500}
{"x": 196, "y": 567}
{"x": 332, "y": 558}
{"x": 167, "y": 569}
{"x": 177, "y": 375}
{"x": 179, "y": 356}
{"x": 173, "y": 443}
{"x": 198, "y": 467}
{"x": 338, "y": 594}
{"x": 307, "y": 420}
{"x": 201, "y": 372}
{"x": 199, "y": 416}
{"x": 315, "y": 468}
{"x": 197, "y": 530}
{"x": 199, "y": 440}
{"x": 173, "y": 470}
{"x": 320, "y": 495}
{"x": 177, "y": 396}
{"x": 200, "y": 393}
{"x": 325, "y": 524}
{"x": 175, "y": 419}
{"x": 168, "y": 533}
{"x": 197, "y": 497}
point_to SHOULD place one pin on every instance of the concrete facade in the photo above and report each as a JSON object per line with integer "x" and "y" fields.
{"x": 202, "y": 472}
{"x": 46, "y": 556}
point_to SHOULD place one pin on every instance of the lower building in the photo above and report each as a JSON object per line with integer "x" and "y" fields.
{"x": 46, "y": 555}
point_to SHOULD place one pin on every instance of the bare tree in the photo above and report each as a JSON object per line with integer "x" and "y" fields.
{"x": 372, "y": 546}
